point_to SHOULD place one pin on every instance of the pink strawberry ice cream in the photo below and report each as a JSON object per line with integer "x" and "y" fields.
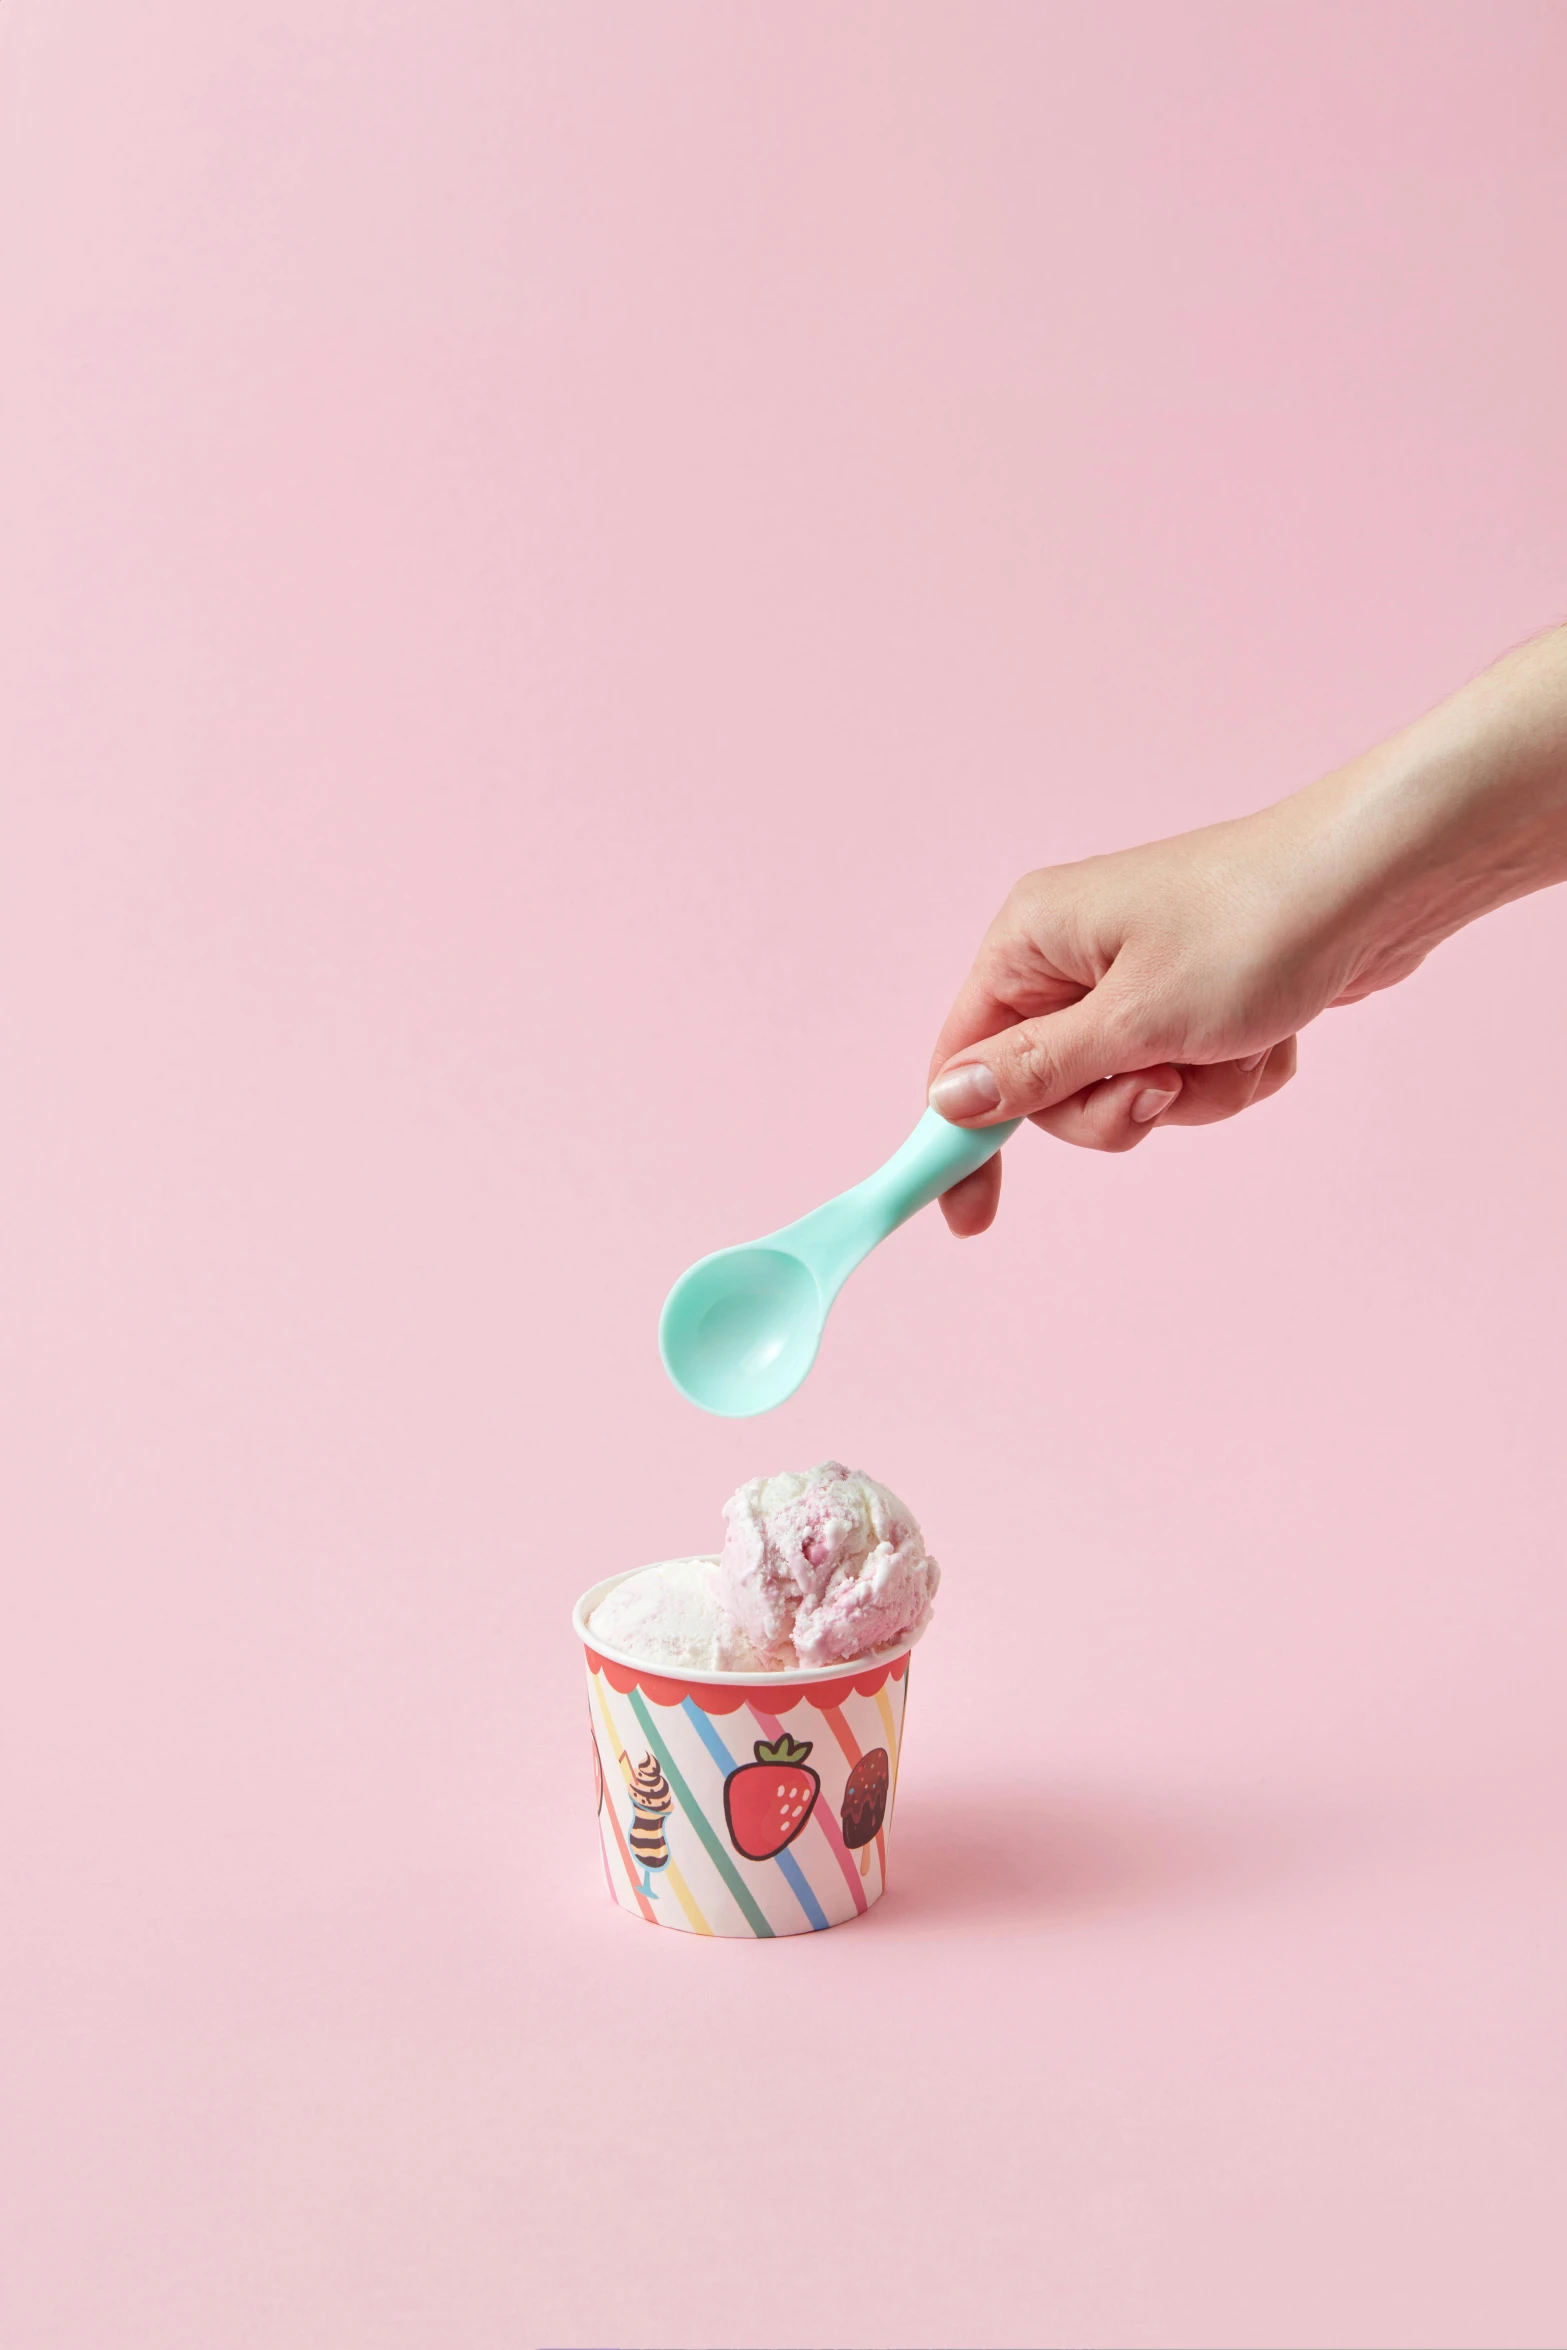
{"x": 822, "y": 1565}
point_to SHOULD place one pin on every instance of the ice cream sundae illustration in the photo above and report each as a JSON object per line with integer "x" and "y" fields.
{"x": 651, "y": 1803}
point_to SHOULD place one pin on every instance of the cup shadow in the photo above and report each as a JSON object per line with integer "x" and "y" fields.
{"x": 1094, "y": 1851}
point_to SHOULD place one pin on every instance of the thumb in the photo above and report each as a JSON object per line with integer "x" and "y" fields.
{"x": 1027, "y": 1068}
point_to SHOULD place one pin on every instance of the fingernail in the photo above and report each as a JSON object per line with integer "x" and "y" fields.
{"x": 1252, "y": 1060}
{"x": 965, "y": 1092}
{"x": 1150, "y": 1102}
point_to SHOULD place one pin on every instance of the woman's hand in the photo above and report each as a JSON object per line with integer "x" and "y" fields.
{"x": 1148, "y": 988}
{"x": 1165, "y": 985}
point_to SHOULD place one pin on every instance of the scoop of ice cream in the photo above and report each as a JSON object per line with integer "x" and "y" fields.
{"x": 673, "y": 1614}
{"x": 824, "y": 1561}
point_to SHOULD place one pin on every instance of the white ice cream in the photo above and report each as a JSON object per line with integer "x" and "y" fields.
{"x": 672, "y": 1614}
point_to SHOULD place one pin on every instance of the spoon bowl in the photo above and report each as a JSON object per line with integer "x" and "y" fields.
{"x": 740, "y": 1329}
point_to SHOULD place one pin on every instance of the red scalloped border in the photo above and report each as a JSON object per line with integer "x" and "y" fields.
{"x": 719, "y": 1697}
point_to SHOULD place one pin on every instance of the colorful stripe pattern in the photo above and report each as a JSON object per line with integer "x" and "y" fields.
{"x": 673, "y": 1799}
{"x": 793, "y": 1875}
{"x": 727, "y": 1871}
{"x": 824, "y": 1819}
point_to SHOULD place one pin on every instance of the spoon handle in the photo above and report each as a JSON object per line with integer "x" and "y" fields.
{"x": 936, "y": 1155}
{"x": 833, "y": 1239}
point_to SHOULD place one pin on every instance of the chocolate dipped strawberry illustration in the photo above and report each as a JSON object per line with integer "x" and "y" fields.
{"x": 767, "y": 1802}
{"x": 865, "y": 1803}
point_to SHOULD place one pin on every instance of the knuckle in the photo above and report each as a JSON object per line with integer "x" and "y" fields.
{"x": 1029, "y": 888}
{"x": 1034, "y": 1064}
{"x": 1020, "y": 907}
{"x": 1140, "y": 1024}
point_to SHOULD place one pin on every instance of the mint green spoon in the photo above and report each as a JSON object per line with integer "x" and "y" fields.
{"x": 740, "y": 1330}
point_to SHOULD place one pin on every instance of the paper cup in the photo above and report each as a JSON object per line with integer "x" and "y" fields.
{"x": 729, "y": 1804}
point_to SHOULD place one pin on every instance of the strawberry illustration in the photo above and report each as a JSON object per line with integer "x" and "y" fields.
{"x": 767, "y": 1802}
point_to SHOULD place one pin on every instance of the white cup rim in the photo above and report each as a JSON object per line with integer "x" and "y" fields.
{"x": 793, "y": 1676}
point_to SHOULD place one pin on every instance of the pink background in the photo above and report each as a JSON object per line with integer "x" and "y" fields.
{"x": 556, "y": 563}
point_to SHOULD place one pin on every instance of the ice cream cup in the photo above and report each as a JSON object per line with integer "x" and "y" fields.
{"x": 732, "y": 1803}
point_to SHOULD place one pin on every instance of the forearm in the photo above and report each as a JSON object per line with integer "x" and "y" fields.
{"x": 1459, "y": 813}
{"x": 1166, "y": 985}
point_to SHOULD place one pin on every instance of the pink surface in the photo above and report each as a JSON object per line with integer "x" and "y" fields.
{"x": 555, "y": 565}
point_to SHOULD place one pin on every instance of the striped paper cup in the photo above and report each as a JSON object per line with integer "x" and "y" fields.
{"x": 732, "y": 1805}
